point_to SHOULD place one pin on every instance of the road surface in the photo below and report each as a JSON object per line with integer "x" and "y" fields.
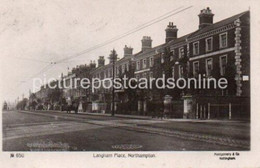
{"x": 59, "y": 131}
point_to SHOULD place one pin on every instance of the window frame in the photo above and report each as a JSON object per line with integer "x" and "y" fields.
{"x": 144, "y": 63}
{"x": 181, "y": 75}
{"x": 206, "y": 64}
{"x": 138, "y": 65}
{"x": 207, "y": 48}
{"x": 171, "y": 58}
{"x": 221, "y": 64}
{"x": 151, "y": 61}
{"x": 193, "y": 67}
{"x": 193, "y": 44}
{"x": 173, "y": 71}
{"x": 162, "y": 59}
{"x": 181, "y": 56}
{"x": 137, "y": 76}
{"x": 123, "y": 68}
{"x": 151, "y": 74}
{"x": 172, "y": 55}
{"x": 220, "y": 40}
{"x": 144, "y": 75}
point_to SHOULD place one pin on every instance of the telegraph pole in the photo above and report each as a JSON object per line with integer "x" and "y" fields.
{"x": 113, "y": 57}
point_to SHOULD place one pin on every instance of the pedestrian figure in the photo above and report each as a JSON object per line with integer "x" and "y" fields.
{"x": 80, "y": 108}
{"x": 75, "y": 106}
{"x": 69, "y": 105}
{"x": 161, "y": 113}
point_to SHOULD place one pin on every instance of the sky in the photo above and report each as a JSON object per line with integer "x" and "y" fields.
{"x": 37, "y": 32}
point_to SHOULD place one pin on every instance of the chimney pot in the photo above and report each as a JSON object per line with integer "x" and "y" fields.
{"x": 101, "y": 61}
{"x": 146, "y": 43}
{"x": 128, "y": 51}
{"x": 205, "y": 18}
{"x": 171, "y": 32}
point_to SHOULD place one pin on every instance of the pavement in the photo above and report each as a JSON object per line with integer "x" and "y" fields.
{"x": 55, "y": 130}
{"x": 149, "y": 117}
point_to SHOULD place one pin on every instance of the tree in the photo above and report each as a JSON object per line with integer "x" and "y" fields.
{"x": 55, "y": 95}
{"x": 32, "y": 101}
{"x": 22, "y": 104}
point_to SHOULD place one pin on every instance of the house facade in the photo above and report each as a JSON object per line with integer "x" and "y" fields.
{"x": 214, "y": 50}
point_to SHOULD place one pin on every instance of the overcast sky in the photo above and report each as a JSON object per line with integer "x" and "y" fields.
{"x": 34, "y": 33}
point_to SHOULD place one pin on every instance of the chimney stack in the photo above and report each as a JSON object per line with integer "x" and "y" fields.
{"x": 171, "y": 32}
{"x": 92, "y": 64}
{"x": 101, "y": 61}
{"x": 205, "y": 18}
{"x": 128, "y": 51}
{"x": 146, "y": 43}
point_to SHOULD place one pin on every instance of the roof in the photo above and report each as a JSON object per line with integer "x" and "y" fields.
{"x": 101, "y": 68}
{"x": 124, "y": 58}
{"x": 207, "y": 28}
{"x": 153, "y": 49}
{"x": 97, "y": 69}
{"x": 218, "y": 24}
{"x": 180, "y": 39}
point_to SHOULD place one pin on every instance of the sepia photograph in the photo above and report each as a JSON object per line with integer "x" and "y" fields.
{"x": 126, "y": 79}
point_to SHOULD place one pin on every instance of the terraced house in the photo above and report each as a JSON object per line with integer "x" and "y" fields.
{"x": 220, "y": 49}
{"x": 214, "y": 50}
{"x": 102, "y": 96}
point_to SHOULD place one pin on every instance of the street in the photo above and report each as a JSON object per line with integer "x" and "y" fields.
{"x": 59, "y": 131}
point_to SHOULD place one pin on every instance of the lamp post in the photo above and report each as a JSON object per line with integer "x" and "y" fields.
{"x": 113, "y": 56}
